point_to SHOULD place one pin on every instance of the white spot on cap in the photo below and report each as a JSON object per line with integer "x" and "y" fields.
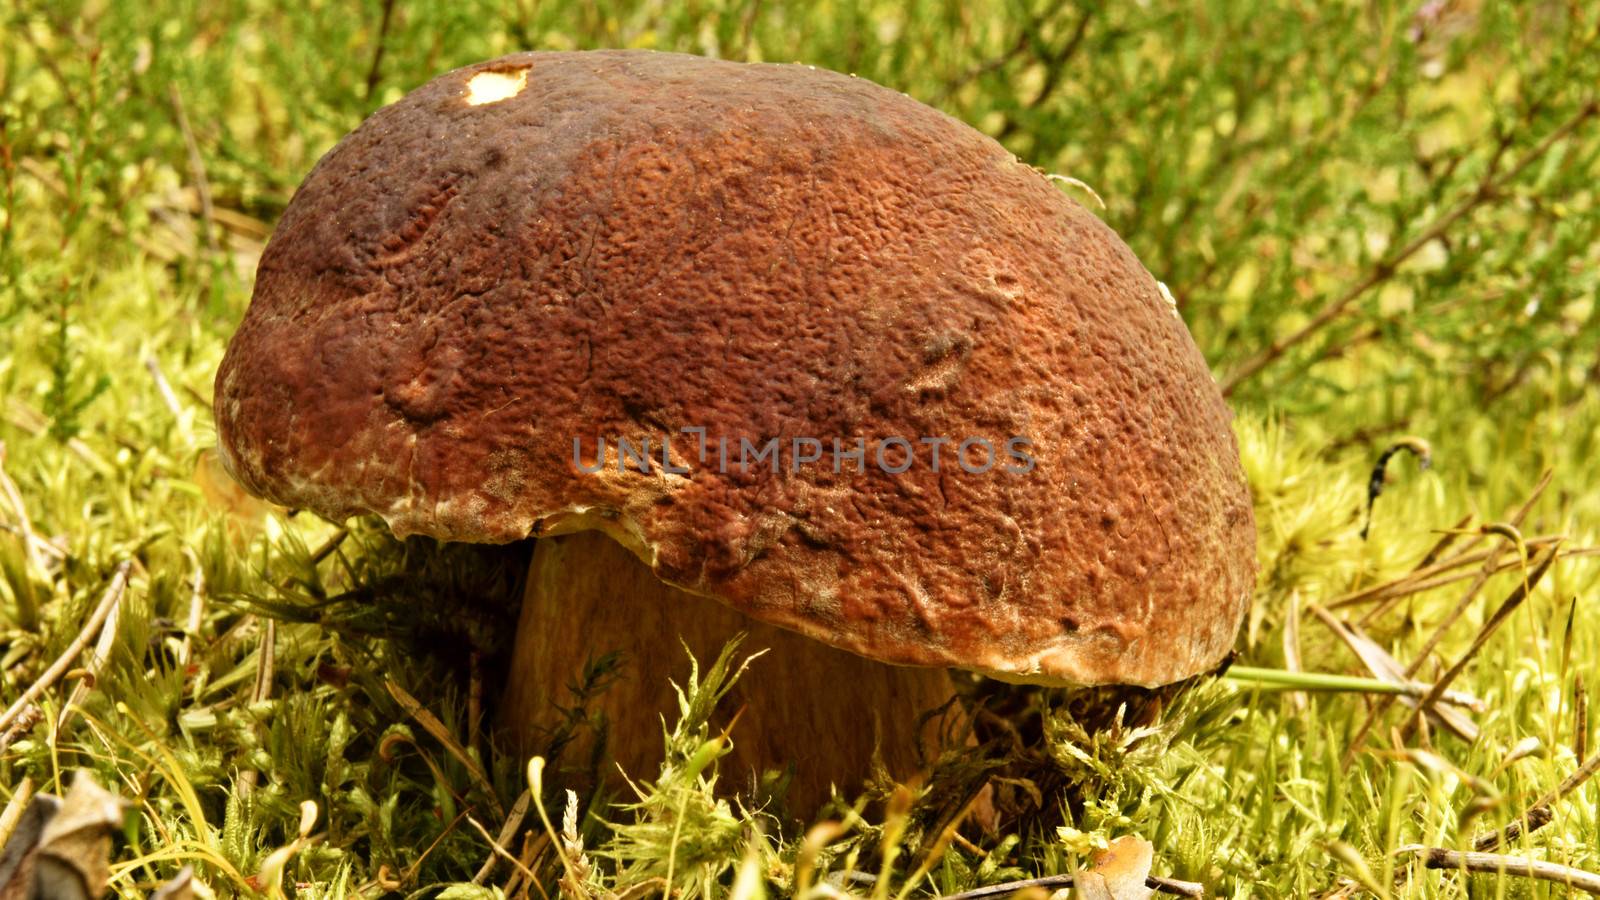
{"x": 1172, "y": 302}
{"x": 493, "y": 86}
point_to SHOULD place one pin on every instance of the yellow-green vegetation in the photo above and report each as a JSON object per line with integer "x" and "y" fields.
{"x": 1378, "y": 219}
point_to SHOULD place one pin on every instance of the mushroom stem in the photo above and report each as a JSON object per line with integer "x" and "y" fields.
{"x": 823, "y": 710}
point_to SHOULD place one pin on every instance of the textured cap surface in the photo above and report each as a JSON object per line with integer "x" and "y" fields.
{"x": 620, "y": 244}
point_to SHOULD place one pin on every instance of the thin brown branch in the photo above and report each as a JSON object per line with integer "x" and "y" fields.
{"x": 91, "y": 627}
{"x": 1388, "y": 669}
{"x": 433, "y": 726}
{"x": 21, "y": 725}
{"x": 261, "y": 691}
{"x": 375, "y": 71}
{"x": 1055, "y": 65}
{"x": 1541, "y": 812}
{"x": 1402, "y": 588}
{"x": 499, "y": 851}
{"x": 508, "y": 830}
{"x": 1580, "y": 718}
{"x": 989, "y": 65}
{"x": 1541, "y": 565}
{"x": 197, "y": 169}
{"x": 1434, "y": 576}
{"x": 1428, "y": 559}
{"x": 1489, "y": 187}
{"x": 1478, "y": 536}
{"x": 96, "y": 665}
{"x": 1491, "y": 565}
{"x": 197, "y": 605}
{"x": 1494, "y": 863}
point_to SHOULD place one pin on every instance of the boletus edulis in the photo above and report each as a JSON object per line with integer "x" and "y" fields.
{"x": 747, "y": 347}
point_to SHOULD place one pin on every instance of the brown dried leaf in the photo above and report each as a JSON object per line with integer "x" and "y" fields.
{"x": 22, "y": 848}
{"x": 1119, "y": 871}
{"x": 62, "y": 848}
{"x": 244, "y": 513}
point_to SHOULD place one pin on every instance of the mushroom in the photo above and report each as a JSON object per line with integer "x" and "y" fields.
{"x": 747, "y": 347}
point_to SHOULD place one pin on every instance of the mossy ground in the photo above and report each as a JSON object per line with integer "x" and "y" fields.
{"x": 1390, "y": 207}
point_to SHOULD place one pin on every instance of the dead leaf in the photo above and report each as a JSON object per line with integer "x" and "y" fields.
{"x": 61, "y": 850}
{"x": 21, "y": 849}
{"x": 1119, "y": 871}
{"x": 1386, "y": 668}
{"x": 244, "y": 514}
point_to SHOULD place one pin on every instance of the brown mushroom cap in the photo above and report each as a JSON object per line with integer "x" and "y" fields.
{"x": 621, "y": 244}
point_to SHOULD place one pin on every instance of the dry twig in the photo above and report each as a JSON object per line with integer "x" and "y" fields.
{"x": 197, "y": 169}
{"x": 1440, "y": 858}
{"x": 108, "y": 602}
{"x": 97, "y": 664}
{"x": 433, "y": 726}
{"x": 519, "y": 811}
{"x": 1491, "y": 565}
{"x": 1541, "y": 812}
{"x": 498, "y": 850}
{"x": 197, "y": 605}
{"x": 1388, "y": 669}
{"x": 1541, "y": 565}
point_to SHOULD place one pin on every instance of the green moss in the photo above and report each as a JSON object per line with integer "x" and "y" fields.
{"x": 1264, "y": 160}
